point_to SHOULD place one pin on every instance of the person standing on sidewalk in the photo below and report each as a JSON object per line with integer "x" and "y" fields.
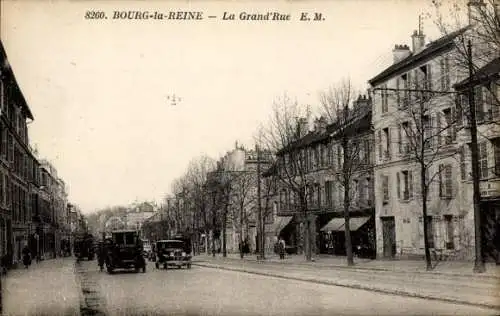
{"x": 281, "y": 247}
{"x": 26, "y": 256}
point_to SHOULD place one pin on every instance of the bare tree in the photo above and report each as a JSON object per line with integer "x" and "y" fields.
{"x": 427, "y": 129}
{"x": 351, "y": 133}
{"x": 287, "y": 125}
{"x": 243, "y": 199}
{"x": 197, "y": 174}
{"x": 479, "y": 23}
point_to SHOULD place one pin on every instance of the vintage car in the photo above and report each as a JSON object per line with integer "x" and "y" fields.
{"x": 175, "y": 252}
{"x": 125, "y": 251}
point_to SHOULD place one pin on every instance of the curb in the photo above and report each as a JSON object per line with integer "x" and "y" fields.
{"x": 354, "y": 268}
{"x": 354, "y": 286}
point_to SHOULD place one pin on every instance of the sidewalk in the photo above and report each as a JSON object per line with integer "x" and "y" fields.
{"x": 452, "y": 268}
{"x": 45, "y": 288}
{"x": 453, "y": 283}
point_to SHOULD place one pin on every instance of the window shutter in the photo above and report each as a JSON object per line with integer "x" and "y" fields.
{"x": 438, "y": 128}
{"x": 410, "y": 184}
{"x": 421, "y": 232}
{"x": 479, "y": 103}
{"x": 398, "y": 185}
{"x": 447, "y": 72}
{"x": 496, "y": 151}
{"x": 449, "y": 181}
{"x": 441, "y": 191}
{"x": 400, "y": 140}
{"x": 453, "y": 128}
{"x": 463, "y": 170}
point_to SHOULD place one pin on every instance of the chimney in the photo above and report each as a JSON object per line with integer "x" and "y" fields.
{"x": 474, "y": 9}
{"x": 418, "y": 41}
{"x": 400, "y": 52}
{"x": 320, "y": 125}
{"x": 362, "y": 103}
{"x": 302, "y": 127}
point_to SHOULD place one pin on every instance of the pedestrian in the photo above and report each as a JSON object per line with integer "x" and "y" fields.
{"x": 26, "y": 256}
{"x": 281, "y": 248}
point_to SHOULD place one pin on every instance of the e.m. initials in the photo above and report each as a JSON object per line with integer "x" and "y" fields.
{"x": 304, "y": 16}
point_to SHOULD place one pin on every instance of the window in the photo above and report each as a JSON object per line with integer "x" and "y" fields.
{"x": 449, "y": 232}
{"x": 491, "y": 100}
{"x": 459, "y": 109}
{"x": 369, "y": 191}
{"x": 444, "y": 64}
{"x": 483, "y": 161}
{"x": 3, "y": 98}
{"x": 329, "y": 193}
{"x": 479, "y": 103}
{"x": 385, "y": 98}
{"x": 380, "y": 147}
{"x": 385, "y": 188}
{"x": 445, "y": 181}
{"x": 408, "y": 184}
{"x": 387, "y": 144}
{"x": 339, "y": 157}
{"x": 450, "y": 134}
{"x": 463, "y": 164}
{"x": 426, "y": 126}
{"x": 496, "y": 151}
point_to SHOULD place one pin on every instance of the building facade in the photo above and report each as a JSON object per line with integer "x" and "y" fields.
{"x": 320, "y": 152}
{"x": 28, "y": 199}
{"x": 420, "y": 135}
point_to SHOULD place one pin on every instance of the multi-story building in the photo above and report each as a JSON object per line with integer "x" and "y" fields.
{"x": 486, "y": 83}
{"x": 320, "y": 151}
{"x": 26, "y": 199}
{"x": 416, "y": 118}
{"x": 15, "y": 153}
{"x": 239, "y": 167}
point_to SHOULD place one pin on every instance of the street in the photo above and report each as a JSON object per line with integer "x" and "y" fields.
{"x": 198, "y": 291}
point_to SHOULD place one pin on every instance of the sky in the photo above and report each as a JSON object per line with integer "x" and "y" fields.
{"x": 98, "y": 88}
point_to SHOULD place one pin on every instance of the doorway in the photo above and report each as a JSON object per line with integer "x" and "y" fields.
{"x": 389, "y": 236}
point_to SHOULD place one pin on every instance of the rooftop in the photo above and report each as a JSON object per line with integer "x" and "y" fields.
{"x": 430, "y": 50}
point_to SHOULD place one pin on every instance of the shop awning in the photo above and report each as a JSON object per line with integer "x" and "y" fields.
{"x": 335, "y": 224}
{"x": 280, "y": 223}
{"x": 356, "y": 222}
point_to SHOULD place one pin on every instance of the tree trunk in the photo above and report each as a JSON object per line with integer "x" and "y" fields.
{"x": 347, "y": 202}
{"x": 309, "y": 240}
{"x": 213, "y": 242}
{"x": 224, "y": 224}
{"x": 206, "y": 242}
{"x": 424, "y": 213}
{"x": 241, "y": 232}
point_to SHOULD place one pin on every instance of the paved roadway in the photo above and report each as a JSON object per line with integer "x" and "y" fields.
{"x": 207, "y": 291}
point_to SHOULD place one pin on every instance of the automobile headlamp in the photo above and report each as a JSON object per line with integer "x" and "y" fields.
{"x": 183, "y": 254}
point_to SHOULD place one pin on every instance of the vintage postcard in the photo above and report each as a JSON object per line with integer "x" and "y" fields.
{"x": 272, "y": 157}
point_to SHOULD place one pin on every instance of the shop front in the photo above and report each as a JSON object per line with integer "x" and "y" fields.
{"x": 362, "y": 236}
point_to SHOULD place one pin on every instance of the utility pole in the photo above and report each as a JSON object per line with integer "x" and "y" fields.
{"x": 260, "y": 220}
{"x": 478, "y": 262}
